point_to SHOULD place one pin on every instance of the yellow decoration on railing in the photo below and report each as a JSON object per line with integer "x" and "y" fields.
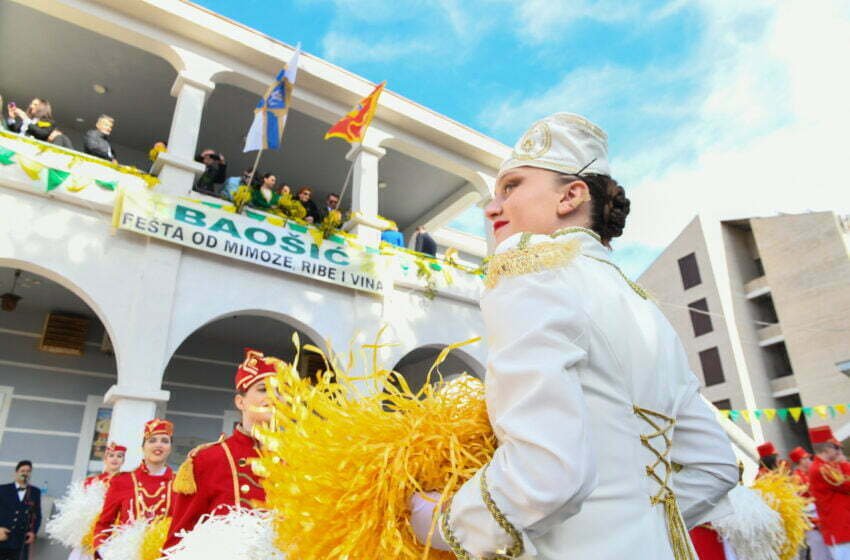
{"x": 31, "y": 167}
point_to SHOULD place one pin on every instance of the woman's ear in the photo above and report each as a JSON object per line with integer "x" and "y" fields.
{"x": 574, "y": 195}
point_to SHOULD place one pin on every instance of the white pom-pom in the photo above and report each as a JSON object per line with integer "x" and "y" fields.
{"x": 125, "y": 543}
{"x": 77, "y": 512}
{"x": 754, "y": 531}
{"x": 241, "y": 534}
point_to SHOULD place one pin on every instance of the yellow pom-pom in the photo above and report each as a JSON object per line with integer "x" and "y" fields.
{"x": 784, "y": 495}
{"x": 154, "y": 538}
{"x": 346, "y": 463}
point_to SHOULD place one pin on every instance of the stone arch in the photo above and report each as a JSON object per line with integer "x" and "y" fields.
{"x": 415, "y": 364}
{"x": 75, "y": 288}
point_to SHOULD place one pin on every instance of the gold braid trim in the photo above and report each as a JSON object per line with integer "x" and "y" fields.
{"x": 516, "y": 549}
{"x": 528, "y": 259}
{"x": 663, "y": 425}
{"x": 638, "y": 289}
{"x": 832, "y": 475}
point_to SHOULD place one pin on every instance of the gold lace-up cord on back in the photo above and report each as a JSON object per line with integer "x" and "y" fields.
{"x": 663, "y": 425}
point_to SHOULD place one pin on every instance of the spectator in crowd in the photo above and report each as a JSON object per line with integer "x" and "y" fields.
{"x": 285, "y": 189}
{"x": 36, "y": 121}
{"x": 422, "y": 242}
{"x": 59, "y": 138}
{"x": 331, "y": 204}
{"x": 233, "y": 183}
{"x": 96, "y": 141}
{"x": 214, "y": 174}
{"x": 313, "y": 214}
{"x": 265, "y": 196}
{"x": 393, "y": 236}
{"x": 20, "y": 514}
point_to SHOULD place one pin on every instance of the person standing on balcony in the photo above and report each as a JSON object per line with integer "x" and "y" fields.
{"x": 214, "y": 174}
{"x": 829, "y": 483}
{"x": 313, "y": 214}
{"x": 266, "y": 197}
{"x": 96, "y": 141}
{"x": 606, "y": 448}
{"x": 36, "y": 121}
{"x": 422, "y": 242}
{"x": 393, "y": 236}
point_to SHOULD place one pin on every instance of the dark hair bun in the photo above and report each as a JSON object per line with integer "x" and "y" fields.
{"x": 610, "y": 206}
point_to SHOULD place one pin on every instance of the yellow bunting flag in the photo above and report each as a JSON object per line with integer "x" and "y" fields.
{"x": 795, "y": 413}
{"x": 821, "y": 410}
{"x": 745, "y": 414}
{"x": 841, "y": 408}
{"x": 770, "y": 414}
{"x": 31, "y": 167}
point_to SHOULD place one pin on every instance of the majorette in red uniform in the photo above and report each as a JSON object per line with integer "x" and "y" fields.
{"x": 814, "y": 539}
{"x": 829, "y": 484}
{"x": 105, "y": 477}
{"x": 218, "y": 477}
{"x": 138, "y": 494}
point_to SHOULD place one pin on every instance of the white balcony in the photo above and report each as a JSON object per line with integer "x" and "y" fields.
{"x": 784, "y": 386}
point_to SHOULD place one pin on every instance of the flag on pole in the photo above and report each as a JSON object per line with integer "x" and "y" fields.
{"x": 270, "y": 115}
{"x": 352, "y": 127}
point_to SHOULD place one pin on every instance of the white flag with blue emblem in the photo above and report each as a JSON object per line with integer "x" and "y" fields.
{"x": 270, "y": 115}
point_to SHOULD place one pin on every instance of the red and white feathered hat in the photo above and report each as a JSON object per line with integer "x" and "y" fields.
{"x": 255, "y": 367}
{"x": 822, "y": 434}
{"x": 158, "y": 426}
{"x": 766, "y": 449}
{"x": 113, "y": 447}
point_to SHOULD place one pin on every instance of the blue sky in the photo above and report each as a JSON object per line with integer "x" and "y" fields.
{"x": 700, "y": 98}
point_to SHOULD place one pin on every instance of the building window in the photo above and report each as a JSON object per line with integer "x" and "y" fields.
{"x": 690, "y": 271}
{"x": 723, "y": 404}
{"x": 712, "y": 370}
{"x": 700, "y": 319}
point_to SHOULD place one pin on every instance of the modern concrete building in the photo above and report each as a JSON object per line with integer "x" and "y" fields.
{"x": 763, "y": 308}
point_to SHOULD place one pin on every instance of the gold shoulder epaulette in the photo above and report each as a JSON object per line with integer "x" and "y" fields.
{"x": 526, "y": 259}
{"x": 184, "y": 480}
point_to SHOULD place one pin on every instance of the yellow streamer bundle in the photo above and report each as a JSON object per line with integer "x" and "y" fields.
{"x": 784, "y": 495}
{"x": 341, "y": 469}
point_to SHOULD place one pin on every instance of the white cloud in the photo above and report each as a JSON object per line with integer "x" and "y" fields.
{"x": 771, "y": 133}
{"x": 343, "y": 48}
{"x": 762, "y": 128}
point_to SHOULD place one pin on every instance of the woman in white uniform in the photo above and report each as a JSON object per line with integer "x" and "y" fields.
{"x": 606, "y": 448}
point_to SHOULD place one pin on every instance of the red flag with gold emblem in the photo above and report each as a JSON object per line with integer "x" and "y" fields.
{"x": 352, "y": 127}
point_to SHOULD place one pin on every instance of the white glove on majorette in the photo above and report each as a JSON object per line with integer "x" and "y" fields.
{"x": 421, "y": 514}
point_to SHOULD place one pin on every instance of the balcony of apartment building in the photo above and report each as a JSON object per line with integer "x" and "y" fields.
{"x": 191, "y": 107}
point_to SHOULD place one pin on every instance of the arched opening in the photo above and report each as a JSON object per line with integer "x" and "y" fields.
{"x": 201, "y": 372}
{"x": 57, "y": 363}
{"x": 89, "y": 74}
{"x": 416, "y": 364}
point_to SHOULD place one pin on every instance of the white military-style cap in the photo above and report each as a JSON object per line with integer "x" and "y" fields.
{"x": 563, "y": 142}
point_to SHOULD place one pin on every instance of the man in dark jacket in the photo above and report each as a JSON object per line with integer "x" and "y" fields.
{"x": 96, "y": 141}
{"x": 20, "y": 513}
{"x": 214, "y": 174}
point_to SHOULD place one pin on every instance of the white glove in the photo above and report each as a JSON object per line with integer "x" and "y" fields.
{"x": 421, "y": 513}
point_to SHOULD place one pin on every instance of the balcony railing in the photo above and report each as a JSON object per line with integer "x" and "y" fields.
{"x": 756, "y": 287}
{"x": 40, "y": 168}
{"x": 771, "y": 334}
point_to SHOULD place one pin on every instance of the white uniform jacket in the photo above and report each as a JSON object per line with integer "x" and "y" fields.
{"x": 597, "y": 413}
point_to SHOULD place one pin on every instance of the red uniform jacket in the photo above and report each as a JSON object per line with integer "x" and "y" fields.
{"x": 223, "y": 478}
{"x": 829, "y": 484}
{"x": 707, "y": 543}
{"x": 131, "y": 496}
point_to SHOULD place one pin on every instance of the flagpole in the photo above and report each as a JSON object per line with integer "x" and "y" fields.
{"x": 345, "y": 183}
{"x": 254, "y": 168}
